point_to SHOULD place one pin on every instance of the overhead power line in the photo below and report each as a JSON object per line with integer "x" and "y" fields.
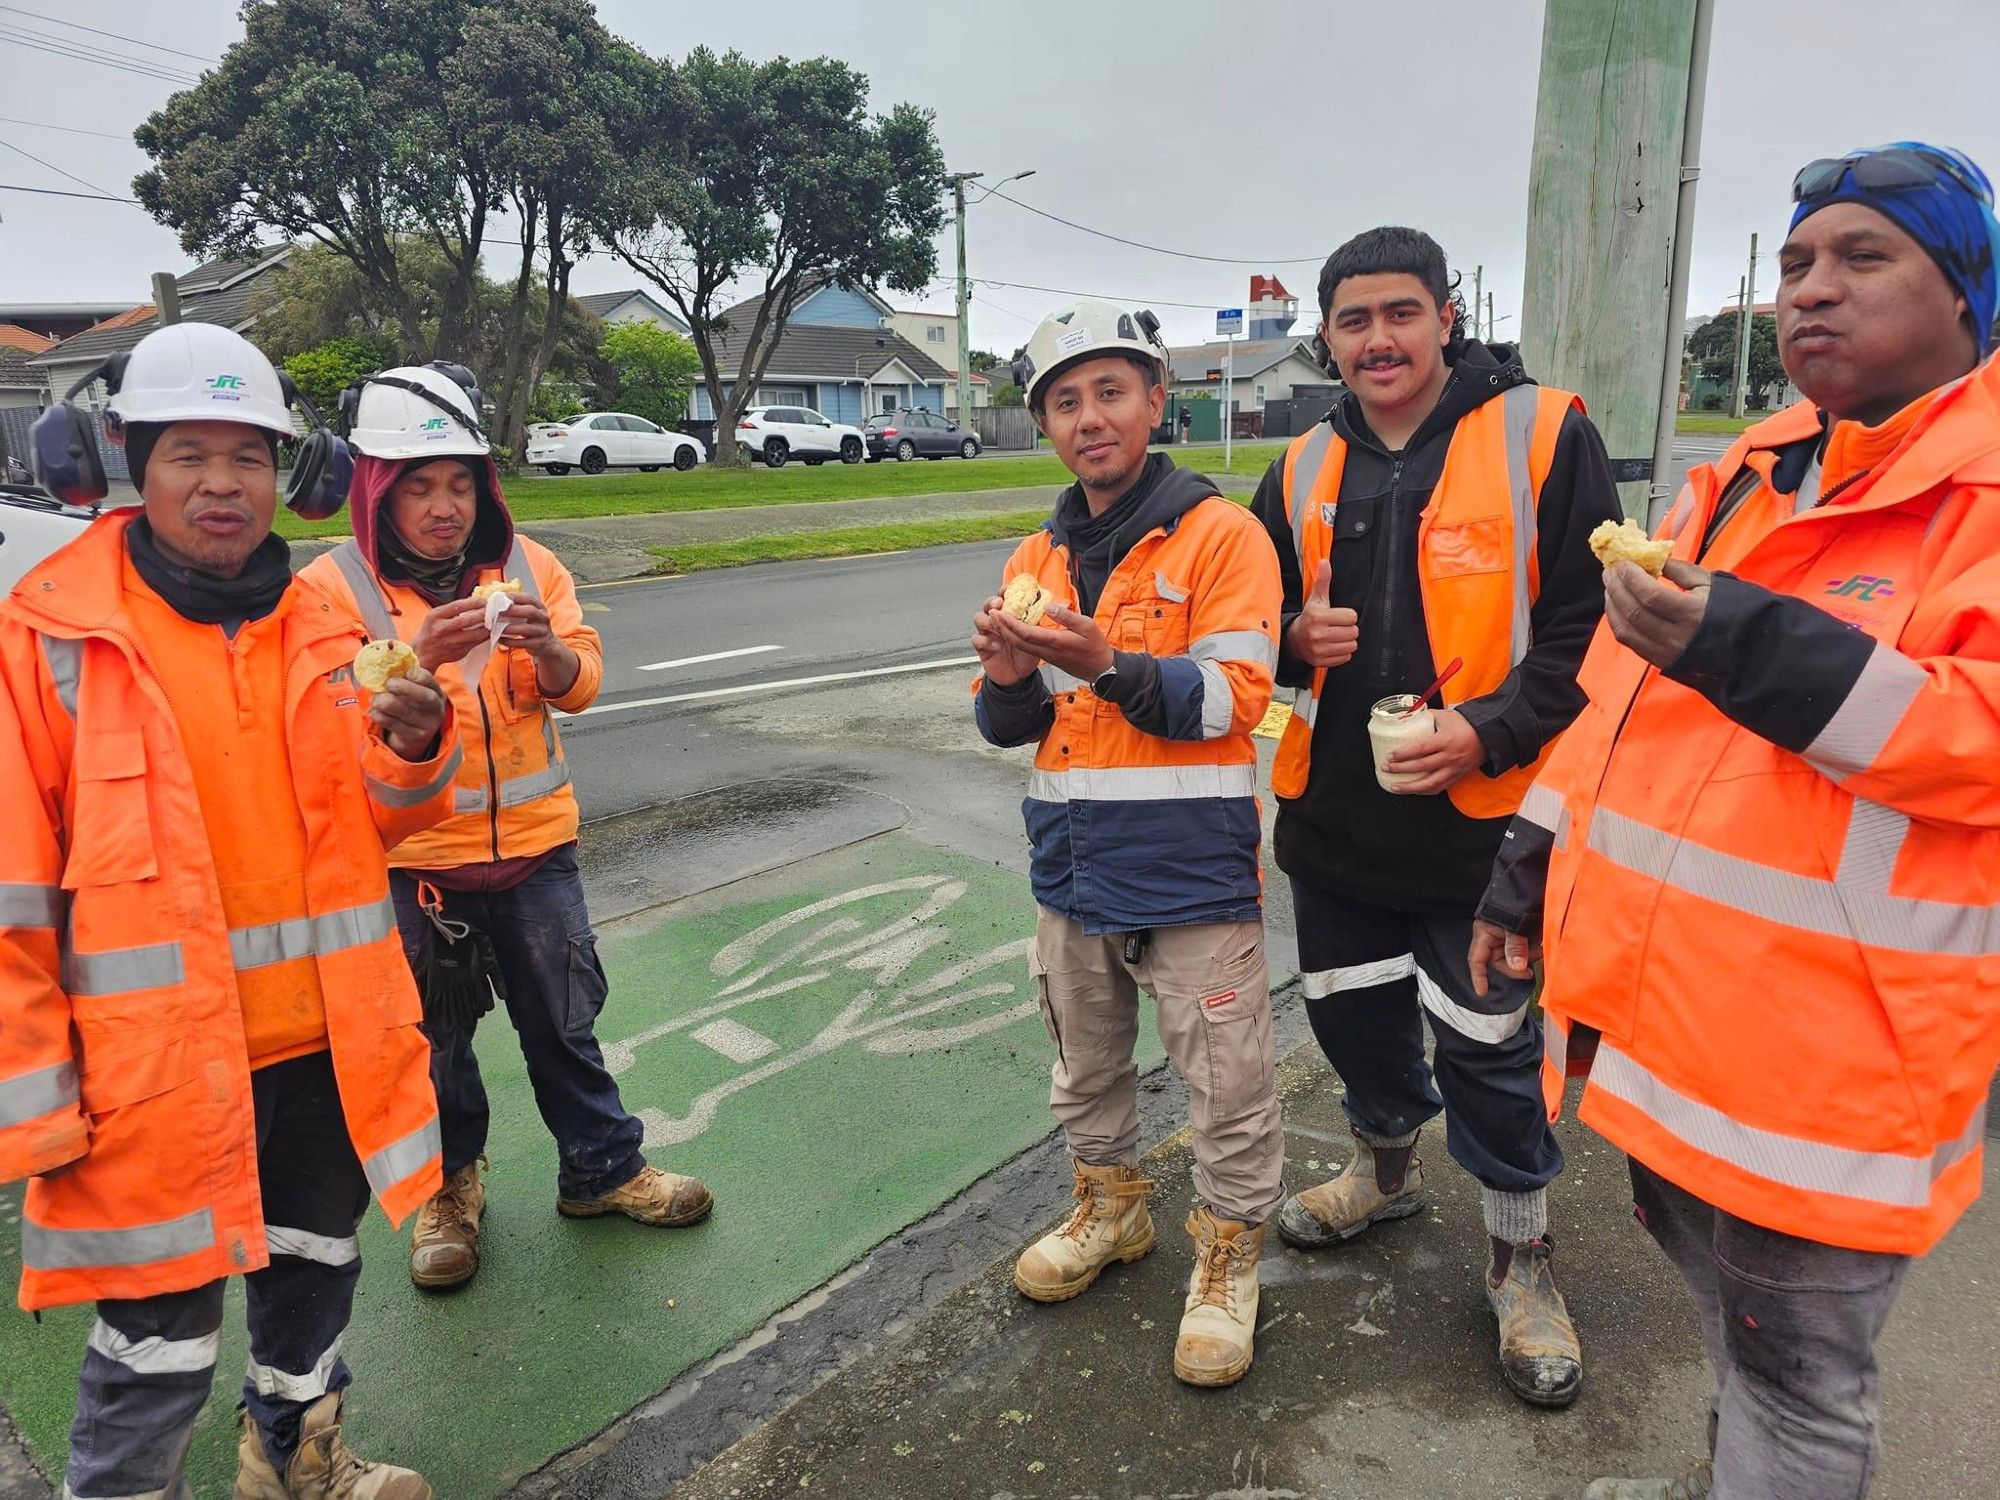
{"x": 1069, "y": 291}
{"x": 58, "y": 47}
{"x": 103, "y": 135}
{"x": 115, "y": 36}
{"x": 15, "y": 187}
{"x": 81, "y": 182}
{"x": 1222, "y": 260}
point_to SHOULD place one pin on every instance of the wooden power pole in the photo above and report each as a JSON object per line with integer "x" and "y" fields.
{"x": 1607, "y": 186}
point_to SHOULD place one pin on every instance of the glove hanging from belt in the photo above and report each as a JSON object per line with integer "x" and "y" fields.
{"x": 457, "y": 972}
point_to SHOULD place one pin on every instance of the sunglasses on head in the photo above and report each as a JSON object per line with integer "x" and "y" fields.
{"x": 1888, "y": 171}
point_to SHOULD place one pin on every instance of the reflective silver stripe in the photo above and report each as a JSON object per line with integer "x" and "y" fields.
{"x": 1236, "y": 645}
{"x": 1056, "y": 680}
{"x": 65, "y": 659}
{"x": 1320, "y": 983}
{"x": 1305, "y": 705}
{"x": 1543, "y": 806}
{"x": 1882, "y": 1177}
{"x": 271, "y": 1381}
{"x": 1520, "y": 405}
{"x": 300, "y": 937}
{"x": 321, "y": 1249}
{"x": 30, "y": 905}
{"x": 1855, "y": 904}
{"x": 29, "y": 1096}
{"x": 1142, "y": 783}
{"x": 1305, "y": 475}
{"x": 1166, "y": 590}
{"x": 1218, "y": 700}
{"x": 1854, "y": 737}
{"x": 1481, "y": 1027}
{"x": 518, "y": 789}
{"x": 121, "y": 969}
{"x": 394, "y": 1162}
{"x": 416, "y": 796}
{"x": 1555, "y": 1044}
{"x": 468, "y": 800}
{"x": 155, "y": 1355}
{"x": 361, "y": 582}
{"x": 47, "y": 1249}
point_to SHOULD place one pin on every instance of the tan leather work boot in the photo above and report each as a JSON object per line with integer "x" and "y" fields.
{"x": 664, "y": 1199}
{"x": 1219, "y": 1323}
{"x": 444, "y": 1245}
{"x": 1110, "y": 1223}
{"x": 324, "y": 1468}
{"x": 1540, "y": 1357}
{"x": 1696, "y": 1484}
{"x": 1341, "y": 1209}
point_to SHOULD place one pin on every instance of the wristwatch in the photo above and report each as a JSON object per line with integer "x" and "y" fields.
{"x": 1104, "y": 681}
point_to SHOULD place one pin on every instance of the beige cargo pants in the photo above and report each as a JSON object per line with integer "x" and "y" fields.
{"x": 1214, "y": 998}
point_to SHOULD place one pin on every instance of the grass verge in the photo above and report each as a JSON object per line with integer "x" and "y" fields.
{"x": 847, "y": 541}
{"x": 1714, "y": 424}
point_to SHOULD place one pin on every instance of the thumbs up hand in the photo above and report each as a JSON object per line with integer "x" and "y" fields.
{"x": 1322, "y": 635}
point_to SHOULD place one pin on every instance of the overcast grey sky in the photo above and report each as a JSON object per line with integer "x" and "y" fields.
{"x": 1255, "y": 130}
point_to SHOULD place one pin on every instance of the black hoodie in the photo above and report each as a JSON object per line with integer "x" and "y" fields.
{"x": 1345, "y": 833}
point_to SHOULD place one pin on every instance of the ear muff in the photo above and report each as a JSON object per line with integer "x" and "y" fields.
{"x": 67, "y": 463}
{"x": 323, "y": 469}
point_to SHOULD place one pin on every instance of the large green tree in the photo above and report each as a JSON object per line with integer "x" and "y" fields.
{"x": 771, "y": 176}
{"x": 648, "y": 371}
{"x": 1712, "y": 348}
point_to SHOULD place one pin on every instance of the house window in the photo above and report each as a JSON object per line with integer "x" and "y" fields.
{"x": 933, "y": 333}
{"x": 783, "y": 395}
{"x": 1257, "y": 395}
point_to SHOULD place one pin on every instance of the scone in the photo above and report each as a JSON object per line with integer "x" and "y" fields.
{"x": 1615, "y": 542}
{"x": 488, "y": 590}
{"x": 378, "y": 661}
{"x": 1025, "y": 599}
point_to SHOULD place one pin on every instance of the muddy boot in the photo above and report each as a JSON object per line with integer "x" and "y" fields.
{"x": 323, "y": 1468}
{"x": 663, "y": 1199}
{"x": 1219, "y": 1322}
{"x": 1378, "y": 1182}
{"x": 444, "y": 1246}
{"x": 1540, "y": 1357}
{"x": 1695, "y": 1484}
{"x": 1110, "y": 1223}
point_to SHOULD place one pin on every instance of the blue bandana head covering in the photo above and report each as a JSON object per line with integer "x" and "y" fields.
{"x": 1953, "y": 223}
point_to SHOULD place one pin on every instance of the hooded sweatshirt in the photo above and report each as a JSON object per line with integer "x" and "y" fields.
{"x": 1345, "y": 833}
{"x": 487, "y": 547}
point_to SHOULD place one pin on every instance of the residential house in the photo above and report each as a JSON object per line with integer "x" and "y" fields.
{"x": 632, "y": 306}
{"x": 21, "y": 386}
{"x": 58, "y": 320}
{"x": 1263, "y": 370}
{"x": 937, "y": 335}
{"x": 840, "y": 354}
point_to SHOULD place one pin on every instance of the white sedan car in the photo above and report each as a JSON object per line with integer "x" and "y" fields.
{"x": 600, "y": 440}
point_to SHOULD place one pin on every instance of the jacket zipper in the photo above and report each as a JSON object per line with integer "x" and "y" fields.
{"x": 1395, "y": 533}
{"x": 492, "y": 776}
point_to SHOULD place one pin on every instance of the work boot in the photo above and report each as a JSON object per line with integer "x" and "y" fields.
{"x": 1378, "y": 1182}
{"x": 664, "y": 1199}
{"x": 1540, "y": 1357}
{"x": 1110, "y": 1223}
{"x": 1695, "y": 1484}
{"x": 323, "y": 1468}
{"x": 444, "y": 1246}
{"x": 1219, "y": 1322}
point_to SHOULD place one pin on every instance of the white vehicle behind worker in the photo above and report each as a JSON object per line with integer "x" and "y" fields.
{"x": 598, "y": 440}
{"x": 777, "y": 434}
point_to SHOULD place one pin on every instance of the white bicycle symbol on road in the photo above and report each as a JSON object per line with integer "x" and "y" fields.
{"x": 773, "y": 960}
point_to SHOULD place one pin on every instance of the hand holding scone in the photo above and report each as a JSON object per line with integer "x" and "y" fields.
{"x": 1025, "y": 599}
{"x": 378, "y": 662}
{"x": 1002, "y": 660}
{"x": 1656, "y": 617}
{"x": 408, "y": 711}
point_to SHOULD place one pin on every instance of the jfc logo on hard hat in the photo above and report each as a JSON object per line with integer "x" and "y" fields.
{"x": 434, "y": 427}
{"x": 225, "y": 387}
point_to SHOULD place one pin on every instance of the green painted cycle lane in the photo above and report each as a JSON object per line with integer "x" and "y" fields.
{"x": 836, "y": 1048}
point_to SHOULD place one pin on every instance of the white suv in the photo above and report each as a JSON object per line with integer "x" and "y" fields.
{"x": 778, "y": 433}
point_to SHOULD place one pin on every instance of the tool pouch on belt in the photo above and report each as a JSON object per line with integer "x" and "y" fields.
{"x": 456, "y": 971}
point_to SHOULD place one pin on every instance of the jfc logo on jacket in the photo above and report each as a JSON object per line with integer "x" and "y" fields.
{"x": 1862, "y": 588}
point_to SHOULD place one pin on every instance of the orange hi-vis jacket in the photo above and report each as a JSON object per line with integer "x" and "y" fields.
{"x": 513, "y": 796}
{"x": 124, "y": 1071}
{"x": 1774, "y": 886}
{"x": 1477, "y": 565}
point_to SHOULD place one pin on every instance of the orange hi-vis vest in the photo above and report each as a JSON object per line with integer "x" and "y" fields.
{"x": 1793, "y": 960}
{"x": 124, "y": 1069}
{"x": 1477, "y": 564}
{"x": 513, "y": 796}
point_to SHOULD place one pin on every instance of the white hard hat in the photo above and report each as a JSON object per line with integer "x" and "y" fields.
{"x": 414, "y": 411}
{"x": 1090, "y": 330}
{"x": 200, "y": 372}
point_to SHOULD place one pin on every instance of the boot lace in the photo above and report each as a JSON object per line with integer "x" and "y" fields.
{"x": 1094, "y": 1198}
{"x": 1217, "y": 1261}
{"x": 451, "y": 1208}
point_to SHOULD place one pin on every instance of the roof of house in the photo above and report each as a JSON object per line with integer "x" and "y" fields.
{"x": 826, "y": 350}
{"x": 604, "y": 302}
{"x": 1253, "y": 356}
{"x": 218, "y": 292}
{"x": 15, "y": 373}
{"x": 13, "y": 336}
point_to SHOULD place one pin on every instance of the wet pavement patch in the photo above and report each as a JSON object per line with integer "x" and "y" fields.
{"x": 836, "y": 1047}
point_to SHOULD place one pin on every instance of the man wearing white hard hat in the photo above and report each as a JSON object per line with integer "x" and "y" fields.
{"x": 490, "y": 900}
{"x": 209, "y": 1050}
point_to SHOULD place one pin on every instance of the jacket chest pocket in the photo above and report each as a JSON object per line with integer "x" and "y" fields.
{"x": 1464, "y": 548}
{"x": 1154, "y": 619}
{"x": 111, "y": 827}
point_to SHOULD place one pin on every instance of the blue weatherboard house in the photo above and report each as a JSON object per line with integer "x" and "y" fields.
{"x": 838, "y": 355}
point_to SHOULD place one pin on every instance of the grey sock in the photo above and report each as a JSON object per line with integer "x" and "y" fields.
{"x": 1515, "y": 1217}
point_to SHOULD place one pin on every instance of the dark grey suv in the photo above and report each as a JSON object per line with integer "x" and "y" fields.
{"x": 910, "y": 432}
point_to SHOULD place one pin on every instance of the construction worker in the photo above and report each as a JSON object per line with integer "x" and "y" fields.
{"x": 209, "y": 1052}
{"x": 1763, "y": 861}
{"x": 1460, "y": 495}
{"x": 492, "y": 898}
{"x": 1139, "y": 683}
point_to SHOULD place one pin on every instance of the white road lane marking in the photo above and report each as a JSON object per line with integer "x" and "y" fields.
{"x": 688, "y": 661}
{"x": 766, "y": 687}
{"x": 734, "y": 1040}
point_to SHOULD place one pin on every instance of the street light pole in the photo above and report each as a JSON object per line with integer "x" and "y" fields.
{"x": 958, "y": 182}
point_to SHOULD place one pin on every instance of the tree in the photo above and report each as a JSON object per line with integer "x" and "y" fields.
{"x": 1712, "y": 348}
{"x": 1010, "y": 394}
{"x": 982, "y": 361}
{"x": 328, "y": 368}
{"x": 770, "y": 171}
{"x": 649, "y": 371}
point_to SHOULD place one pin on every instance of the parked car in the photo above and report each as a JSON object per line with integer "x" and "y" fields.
{"x": 599, "y": 440}
{"x": 778, "y": 433}
{"x": 910, "y": 432}
{"x": 33, "y": 523}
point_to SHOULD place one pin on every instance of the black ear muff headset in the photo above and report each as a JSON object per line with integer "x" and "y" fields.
{"x": 69, "y": 466}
